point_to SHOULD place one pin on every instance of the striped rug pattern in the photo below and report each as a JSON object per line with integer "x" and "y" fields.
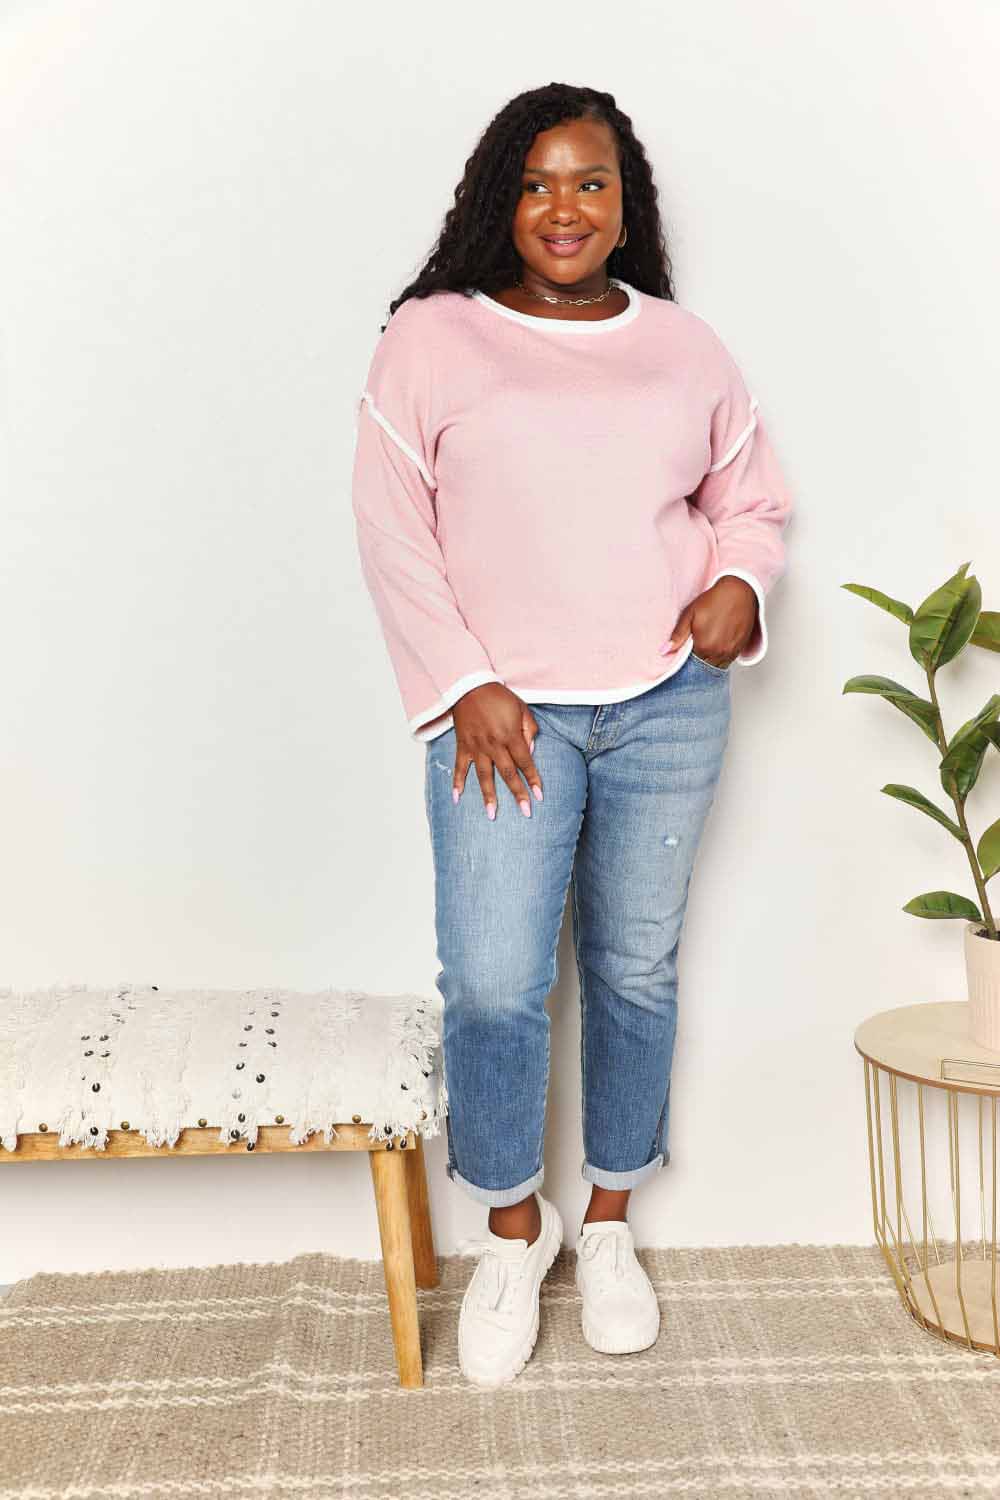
{"x": 780, "y": 1371}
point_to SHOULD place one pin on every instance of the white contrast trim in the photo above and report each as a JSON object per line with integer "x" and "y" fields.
{"x": 727, "y": 458}
{"x": 572, "y": 695}
{"x": 404, "y": 447}
{"x": 568, "y": 325}
{"x": 450, "y": 696}
{"x": 594, "y": 695}
{"x": 744, "y": 659}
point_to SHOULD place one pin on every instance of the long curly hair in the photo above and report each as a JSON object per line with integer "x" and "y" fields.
{"x": 475, "y": 249}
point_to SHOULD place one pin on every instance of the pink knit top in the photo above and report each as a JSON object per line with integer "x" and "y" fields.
{"x": 537, "y": 499}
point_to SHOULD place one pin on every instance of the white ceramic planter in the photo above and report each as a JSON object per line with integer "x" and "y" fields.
{"x": 982, "y": 967}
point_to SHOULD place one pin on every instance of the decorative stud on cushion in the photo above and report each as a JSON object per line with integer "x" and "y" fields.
{"x": 80, "y": 1062}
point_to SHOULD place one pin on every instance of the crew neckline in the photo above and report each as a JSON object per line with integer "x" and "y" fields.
{"x": 568, "y": 325}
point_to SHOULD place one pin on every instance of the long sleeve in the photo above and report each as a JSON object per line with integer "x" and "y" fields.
{"x": 434, "y": 655}
{"x": 745, "y": 497}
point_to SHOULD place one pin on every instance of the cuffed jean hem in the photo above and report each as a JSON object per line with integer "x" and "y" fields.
{"x": 618, "y": 1181}
{"x": 497, "y": 1197}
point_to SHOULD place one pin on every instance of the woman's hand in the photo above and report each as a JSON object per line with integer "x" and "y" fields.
{"x": 493, "y": 727}
{"x": 722, "y": 620}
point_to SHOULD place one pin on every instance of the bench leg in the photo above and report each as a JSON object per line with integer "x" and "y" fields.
{"x": 389, "y": 1177}
{"x": 424, "y": 1260}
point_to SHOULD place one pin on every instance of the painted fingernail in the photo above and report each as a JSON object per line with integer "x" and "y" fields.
{"x": 525, "y": 806}
{"x": 667, "y": 646}
{"x": 531, "y": 748}
{"x": 491, "y": 810}
{"x": 538, "y": 793}
{"x": 455, "y": 794}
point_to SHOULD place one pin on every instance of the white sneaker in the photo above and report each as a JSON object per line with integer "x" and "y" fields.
{"x": 498, "y": 1323}
{"x": 620, "y": 1310}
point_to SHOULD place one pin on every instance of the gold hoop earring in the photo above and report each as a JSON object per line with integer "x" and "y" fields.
{"x": 621, "y": 243}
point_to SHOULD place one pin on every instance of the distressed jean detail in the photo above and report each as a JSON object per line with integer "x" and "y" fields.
{"x": 627, "y": 790}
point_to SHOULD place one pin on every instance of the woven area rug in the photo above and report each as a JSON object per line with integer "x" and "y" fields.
{"x": 786, "y": 1371}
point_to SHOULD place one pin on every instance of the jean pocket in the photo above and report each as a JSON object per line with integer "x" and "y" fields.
{"x": 710, "y": 666}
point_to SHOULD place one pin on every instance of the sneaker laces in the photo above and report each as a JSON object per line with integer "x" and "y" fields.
{"x": 593, "y": 1245}
{"x": 492, "y": 1279}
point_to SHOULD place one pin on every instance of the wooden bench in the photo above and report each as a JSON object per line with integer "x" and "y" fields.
{"x": 139, "y": 1071}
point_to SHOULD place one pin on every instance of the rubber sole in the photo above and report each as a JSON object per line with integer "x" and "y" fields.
{"x": 529, "y": 1346}
{"x": 622, "y": 1344}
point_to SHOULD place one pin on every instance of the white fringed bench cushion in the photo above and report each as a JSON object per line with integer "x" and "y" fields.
{"x": 163, "y": 1060}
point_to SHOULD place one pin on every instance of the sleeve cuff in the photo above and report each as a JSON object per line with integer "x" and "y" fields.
{"x": 424, "y": 725}
{"x": 757, "y": 645}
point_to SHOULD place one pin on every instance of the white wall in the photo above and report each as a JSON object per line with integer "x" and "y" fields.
{"x": 205, "y": 776}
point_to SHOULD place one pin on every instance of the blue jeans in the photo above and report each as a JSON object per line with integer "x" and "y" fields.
{"x": 627, "y": 788}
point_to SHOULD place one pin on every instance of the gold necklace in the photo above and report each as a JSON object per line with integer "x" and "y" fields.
{"x": 570, "y": 301}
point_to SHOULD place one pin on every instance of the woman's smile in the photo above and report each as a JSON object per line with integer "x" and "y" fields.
{"x": 564, "y": 244}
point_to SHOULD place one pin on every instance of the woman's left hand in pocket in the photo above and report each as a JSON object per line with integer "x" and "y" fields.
{"x": 721, "y": 620}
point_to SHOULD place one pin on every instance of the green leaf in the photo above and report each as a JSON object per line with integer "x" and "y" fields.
{"x": 892, "y": 606}
{"x": 988, "y": 851}
{"x": 944, "y": 622}
{"x": 987, "y": 715}
{"x": 913, "y": 798}
{"x": 987, "y": 631}
{"x": 920, "y": 710}
{"x": 939, "y": 904}
{"x": 963, "y": 759}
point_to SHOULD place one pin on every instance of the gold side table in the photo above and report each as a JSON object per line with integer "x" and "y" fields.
{"x": 931, "y": 1103}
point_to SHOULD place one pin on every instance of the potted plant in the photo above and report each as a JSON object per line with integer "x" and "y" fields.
{"x": 941, "y": 627}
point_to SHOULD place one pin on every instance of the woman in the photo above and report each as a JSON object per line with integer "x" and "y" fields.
{"x": 568, "y": 517}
